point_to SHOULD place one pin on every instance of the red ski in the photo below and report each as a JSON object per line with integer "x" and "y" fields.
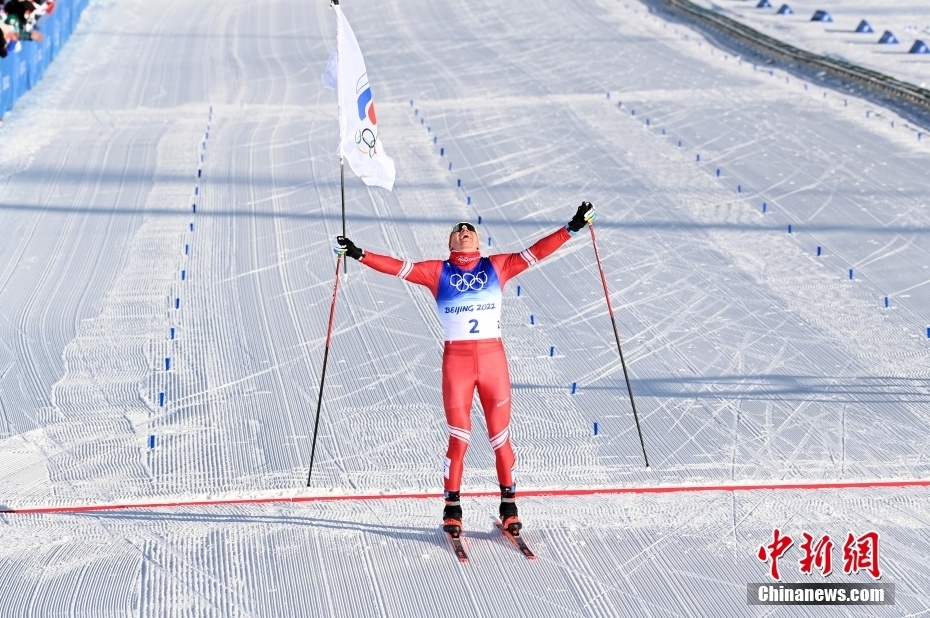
{"x": 456, "y": 539}
{"x": 517, "y": 540}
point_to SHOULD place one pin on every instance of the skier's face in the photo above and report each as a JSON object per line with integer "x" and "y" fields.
{"x": 463, "y": 238}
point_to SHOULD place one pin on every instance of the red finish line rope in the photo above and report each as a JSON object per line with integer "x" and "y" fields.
{"x": 529, "y": 493}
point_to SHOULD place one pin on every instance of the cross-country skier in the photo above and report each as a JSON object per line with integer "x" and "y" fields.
{"x": 467, "y": 289}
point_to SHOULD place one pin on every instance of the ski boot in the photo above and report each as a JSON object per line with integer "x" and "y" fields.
{"x": 510, "y": 519}
{"x": 452, "y": 514}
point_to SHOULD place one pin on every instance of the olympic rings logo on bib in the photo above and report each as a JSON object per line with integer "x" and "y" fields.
{"x": 468, "y": 281}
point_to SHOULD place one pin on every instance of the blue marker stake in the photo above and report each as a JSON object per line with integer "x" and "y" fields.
{"x": 789, "y": 228}
{"x": 718, "y": 172}
{"x": 450, "y": 167}
{"x": 183, "y": 275}
{"x": 552, "y": 350}
{"x": 697, "y": 157}
{"x": 187, "y": 249}
{"x": 171, "y": 331}
{"x": 468, "y": 199}
{"x": 435, "y": 139}
{"x": 679, "y": 143}
{"x": 416, "y": 112}
{"x": 575, "y": 384}
{"x": 764, "y": 207}
{"x": 161, "y": 400}
{"x": 194, "y": 208}
{"x": 886, "y": 301}
{"x": 177, "y": 303}
{"x": 479, "y": 222}
{"x": 739, "y": 188}
{"x": 850, "y": 274}
{"x": 532, "y": 319}
{"x": 928, "y": 332}
{"x": 819, "y": 251}
{"x": 518, "y": 290}
{"x": 167, "y": 364}
{"x": 442, "y": 152}
{"x": 595, "y": 428}
{"x": 422, "y": 120}
{"x": 490, "y": 241}
{"x": 458, "y": 182}
{"x": 199, "y": 172}
{"x": 152, "y": 441}
{"x": 196, "y": 190}
{"x": 192, "y": 226}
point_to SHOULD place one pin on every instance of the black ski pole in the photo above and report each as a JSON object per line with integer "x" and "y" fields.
{"x": 613, "y": 321}
{"x": 319, "y": 402}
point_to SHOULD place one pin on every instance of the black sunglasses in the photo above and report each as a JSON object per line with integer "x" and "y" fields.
{"x": 458, "y": 227}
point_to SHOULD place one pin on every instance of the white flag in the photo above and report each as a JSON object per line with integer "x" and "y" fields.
{"x": 358, "y": 125}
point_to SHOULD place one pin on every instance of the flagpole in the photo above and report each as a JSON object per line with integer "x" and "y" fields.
{"x": 342, "y": 182}
{"x": 342, "y": 177}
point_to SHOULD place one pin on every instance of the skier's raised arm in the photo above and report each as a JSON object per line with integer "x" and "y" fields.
{"x": 424, "y": 273}
{"x": 509, "y": 265}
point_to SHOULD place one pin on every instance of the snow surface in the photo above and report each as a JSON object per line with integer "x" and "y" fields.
{"x": 753, "y": 360}
{"x": 908, "y": 21}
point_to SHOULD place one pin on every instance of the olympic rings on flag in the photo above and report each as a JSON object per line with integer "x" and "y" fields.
{"x": 367, "y": 137}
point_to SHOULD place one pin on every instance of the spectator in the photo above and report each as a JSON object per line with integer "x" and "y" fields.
{"x": 19, "y": 19}
{"x": 10, "y": 36}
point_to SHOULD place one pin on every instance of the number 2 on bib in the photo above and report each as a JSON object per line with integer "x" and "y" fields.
{"x": 474, "y": 326}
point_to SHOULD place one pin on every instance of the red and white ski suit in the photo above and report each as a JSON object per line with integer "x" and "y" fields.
{"x": 468, "y": 293}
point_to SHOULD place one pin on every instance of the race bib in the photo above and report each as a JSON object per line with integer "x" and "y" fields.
{"x": 469, "y": 302}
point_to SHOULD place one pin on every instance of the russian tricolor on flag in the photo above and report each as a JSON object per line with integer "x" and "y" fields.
{"x": 358, "y": 124}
